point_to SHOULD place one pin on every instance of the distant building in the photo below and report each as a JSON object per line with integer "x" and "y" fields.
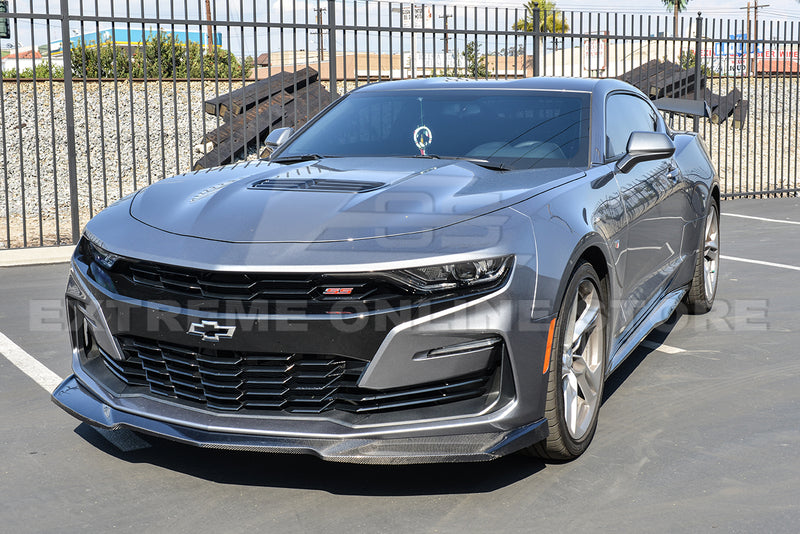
{"x": 24, "y": 53}
{"x": 373, "y": 67}
{"x": 262, "y": 60}
{"x": 21, "y": 59}
{"x": 132, "y": 38}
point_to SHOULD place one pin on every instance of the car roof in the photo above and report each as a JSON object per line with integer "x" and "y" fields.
{"x": 550, "y": 83}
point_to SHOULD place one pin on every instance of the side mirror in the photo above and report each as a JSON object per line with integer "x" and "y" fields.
{"x": 645, "y": 146}
{"x": 277, "y": 137}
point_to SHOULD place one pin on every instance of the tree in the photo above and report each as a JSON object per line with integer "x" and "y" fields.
{"x": 550, "y": 20}
{"x": 476, "y": 62}
{"x": 475, "y": 65}
{"x": 675, "y": 6}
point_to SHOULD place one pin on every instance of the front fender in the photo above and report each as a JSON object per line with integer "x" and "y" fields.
{"x": 572, "y": 223}
{"x": 555, "y": 272}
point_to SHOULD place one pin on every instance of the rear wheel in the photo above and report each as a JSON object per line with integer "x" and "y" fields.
{"x": 700, "y": 297}
{"x": 577, "y": 368}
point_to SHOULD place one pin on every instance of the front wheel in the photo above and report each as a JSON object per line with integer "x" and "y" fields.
{"x": 700, "y": 297}
{"x": 577, "y": 368}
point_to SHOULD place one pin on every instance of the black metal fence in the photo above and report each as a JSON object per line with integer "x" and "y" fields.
{"x": 100, "y": 98}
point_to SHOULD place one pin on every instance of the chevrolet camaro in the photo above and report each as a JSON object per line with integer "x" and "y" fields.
{"x": 428, "y": 270}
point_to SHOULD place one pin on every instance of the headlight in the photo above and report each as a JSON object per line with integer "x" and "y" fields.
{"x": 100, "y": 261}
{"x": 97, "y": 253}
{"x": 454, "y": 275}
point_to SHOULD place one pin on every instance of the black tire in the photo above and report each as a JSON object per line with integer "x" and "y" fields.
{"x": 703, "y": 290}
{"x": 568, "y": 440}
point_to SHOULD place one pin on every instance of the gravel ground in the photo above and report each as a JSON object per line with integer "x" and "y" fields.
{"x": 145, "y": 132}
{"x": 764, "y": 155}
{"x": 127, "y": 137}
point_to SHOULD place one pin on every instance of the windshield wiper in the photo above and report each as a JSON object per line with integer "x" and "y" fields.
{"x": 477, "y": 161}
{"x": 298, "y": 158}
{"x": 492, "y": 166}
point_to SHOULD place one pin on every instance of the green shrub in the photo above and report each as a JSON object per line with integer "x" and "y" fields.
{"x": 687, "y": 61}
{"x": 42, "y": 72}
{"x": 159, "y": 57}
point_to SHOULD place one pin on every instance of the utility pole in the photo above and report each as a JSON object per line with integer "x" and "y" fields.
{"x": 755, "y": 8}
{"x": 748, "y": 36}
{"x": 319, "y": 11}
{"x": 755, "y": 22}
{"x": 209, "y": 29}
{"x": 446, "y": 36}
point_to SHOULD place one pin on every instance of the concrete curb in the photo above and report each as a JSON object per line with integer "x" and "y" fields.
{"x": 35, "y": 256}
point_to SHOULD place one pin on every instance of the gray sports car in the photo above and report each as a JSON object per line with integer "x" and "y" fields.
{"x": 429, "y": 270}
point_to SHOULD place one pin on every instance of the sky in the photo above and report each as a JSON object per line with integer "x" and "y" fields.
{"x": 789, "y": 9}
{"x": 236, "y": 10}
{"x": 778, "y": 9}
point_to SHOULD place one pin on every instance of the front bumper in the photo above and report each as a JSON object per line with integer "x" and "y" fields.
{"x": 507, "y": 418}
{"x": 369, "y": 448}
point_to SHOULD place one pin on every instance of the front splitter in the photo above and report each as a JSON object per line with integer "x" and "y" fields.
{"x": 77, "y": 400}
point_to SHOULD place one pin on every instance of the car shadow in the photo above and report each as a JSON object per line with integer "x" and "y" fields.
{"x": 309, "y": 472}
{"x": 626, "y": 368}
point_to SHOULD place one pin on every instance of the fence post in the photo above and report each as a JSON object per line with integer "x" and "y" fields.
{"x": 698, "y": 38}
{"x": 70, "y": 125}
{"x": 332, "y": 49}
{"x": 536, "y": 36}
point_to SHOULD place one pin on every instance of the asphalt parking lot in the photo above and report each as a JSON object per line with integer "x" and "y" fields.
{"x": 699, "y": 431}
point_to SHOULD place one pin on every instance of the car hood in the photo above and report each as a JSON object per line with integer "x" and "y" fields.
{"x": 333, "y": 199}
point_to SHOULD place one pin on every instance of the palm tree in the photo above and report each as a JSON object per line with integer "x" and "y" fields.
{"x": 676, "y": 6}
{"x": 549, "y": 19}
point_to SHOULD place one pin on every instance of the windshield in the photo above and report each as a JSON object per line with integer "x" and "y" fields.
{"x": 511, "y": 129}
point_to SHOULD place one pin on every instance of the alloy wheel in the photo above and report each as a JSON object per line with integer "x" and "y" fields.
{"x": 582, "y": 359}
{"x": 711, "y": 253}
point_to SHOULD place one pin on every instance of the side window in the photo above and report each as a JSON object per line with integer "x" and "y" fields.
{"x": 626, "y": 114}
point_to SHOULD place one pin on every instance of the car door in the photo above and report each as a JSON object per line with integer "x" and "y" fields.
{"x": 653, "y": 194}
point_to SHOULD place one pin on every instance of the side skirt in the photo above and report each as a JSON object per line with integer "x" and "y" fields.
{"x": 659, "y": 314}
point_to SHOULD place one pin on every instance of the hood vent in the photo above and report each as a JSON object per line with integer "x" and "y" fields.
{"x": 319, "y": 185}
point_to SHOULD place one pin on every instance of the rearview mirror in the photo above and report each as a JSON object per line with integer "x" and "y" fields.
{"x": 277, "y": 137}
{"x": 645, "y": 146}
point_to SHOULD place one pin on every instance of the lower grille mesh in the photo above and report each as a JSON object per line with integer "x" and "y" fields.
{"x": 296, "y": 383}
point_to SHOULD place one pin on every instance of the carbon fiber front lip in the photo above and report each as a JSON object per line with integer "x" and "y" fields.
{"x": 77, "y": 400}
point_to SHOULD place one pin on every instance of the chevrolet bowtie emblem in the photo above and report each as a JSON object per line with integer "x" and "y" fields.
{"x": 211, "y": 331}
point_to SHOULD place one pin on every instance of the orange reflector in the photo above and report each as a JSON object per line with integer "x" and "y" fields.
{"x": 549, "y": 346}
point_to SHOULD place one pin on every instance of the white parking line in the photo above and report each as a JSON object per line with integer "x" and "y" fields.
{"x": 124, "y": 439}
{"x": 763, "y": 219}
{"x": 759, "y": 262}
{"x": 28, "y": 364}
{"x": 666, "y": 349}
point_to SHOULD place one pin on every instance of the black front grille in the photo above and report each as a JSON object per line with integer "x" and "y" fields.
{"x": 324, "y": 186}
{"x": 248, "y": 286}
{"x": 296, "y": 383}
{"x": 217, "y": 285}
